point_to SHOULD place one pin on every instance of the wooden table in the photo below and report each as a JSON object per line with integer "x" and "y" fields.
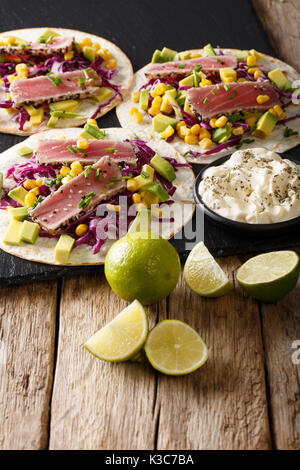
{"x": 53, "y": 394}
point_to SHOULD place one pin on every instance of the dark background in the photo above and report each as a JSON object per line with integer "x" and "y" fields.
{"x": 139, "y": 27}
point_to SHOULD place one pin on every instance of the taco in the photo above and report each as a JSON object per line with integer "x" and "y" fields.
{"x": 208, "y": 102}
{"x": 67, "y": 194}
{"x": 58, "y": 78}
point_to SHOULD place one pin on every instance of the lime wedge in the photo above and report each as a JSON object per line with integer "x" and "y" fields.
{"x": 203, "y": 275}
{"x": 122, "y": 338}
{"x": 174, "y": 348}
{"x": 269, "y": 276}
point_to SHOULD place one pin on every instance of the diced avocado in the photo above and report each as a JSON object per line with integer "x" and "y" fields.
{"x": 221, "y": 134}
{"x": 18, "y": 213}
{"x": 265, "y": 125}
{"x": 89, "y": 53}
{"x": 148, "y": 198}
{"x": 187, "y": 108}
{"x": 169, "y": 101}
{"x": 142, "y": 222}
{"x": 189, "y": 80}
{"x": 47, "y": 36}
{"x": 66, "y": 105}
{"x": 144, "y": 99}
{"x": 18, "y": 194}
{"x": 184, "y": 55}
{"x": 167, "y": 54}
{"x": 149, "y": 170}
{"x": 156, "y": 58}
{"x": 160, "y": 122}
{"x": 94, "y": 131}
{"x": 249, "y": 115}
{"x": 25, "y": 151}
{"x": 170, "y": 87}
{"x": 29, "y": 232}
{"x": 37, "y": 118}
{"x": 52, "y": 121}
{"x": 63, "y": 248}
{"x": 209, "y": 50}
{"x": 144, "y": 178}
{"x": 158, "y": 191}
{"x": 241, "y": 55}
{"x": 103, "y": 94}
{"x": 163, "y": 167}
{"x": 13, "y": 233}
{"x": 180, "y": 98}
{"x": 280, "y": 80}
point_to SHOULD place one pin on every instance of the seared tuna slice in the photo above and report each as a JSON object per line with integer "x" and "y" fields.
{"x": 185, "y": 67}
{"x": 47, "y": 89}
{"x": 79, "y": 196}
{"x": 214, "y": 100}
{"x": 58, "y": 151}
{"x": 58, "y": 45}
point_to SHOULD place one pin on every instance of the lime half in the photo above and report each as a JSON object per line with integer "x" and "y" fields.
{"x": 175, "y": 348}
{"x": 123, "y": 337}
{"x": 203, "y": 275}
{"x": 269, "y": 276}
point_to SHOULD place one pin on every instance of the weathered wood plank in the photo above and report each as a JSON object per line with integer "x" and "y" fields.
{"x": 97, "y": 405}
{"x": 223, "y": 405}
{"x": 281, "y": 21}
{"x": 27, "y": 332}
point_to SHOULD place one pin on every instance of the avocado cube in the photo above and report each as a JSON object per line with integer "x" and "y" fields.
{"x": 184, "y": 55}
{"x": 209, "y": 50}
{"x": 37, "y": 118}
{"x": 156, "y": 58}
{"x": 144, "y": 99}
{"x": 104, "y": 94}
{"x": 142, "y": 222}
{"x": 241, "y": 55}
{"x": 47, "y": 36}
{"x": 66, "y": 105}
{"x": 18, "y": 213}
{"x": 160, "y": 122}
{"x": 149, "y": 170}
{"x": 265, "y": 125}
{"x": 13, "y": 233}
{"x": 89, "y": 53}
{"x": 18, "y": 194}
{"x": 144, "y": 178}
{"x": 63, "y": 248}
{"x": 52, "y": 121}
{"x": 25, "y": 151}
{"x": 94, "y": 131}
{"x": 280, "y": 80}
{"x": 29, "y": 232}
{"x": 157, "y": 190}
{"x": 221, "y": 134}
{"x": 187, "y": 81}
{"x": 180, "y": 98}
{"x": 169, "y": 101}
{"x": 167, "y": 54}
{"x": 163, "y": 167}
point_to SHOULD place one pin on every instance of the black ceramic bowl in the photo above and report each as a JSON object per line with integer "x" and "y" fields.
{"x": 233, "y": 223}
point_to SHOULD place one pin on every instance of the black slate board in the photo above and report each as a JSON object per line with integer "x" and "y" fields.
{"x": 139, "y": 27}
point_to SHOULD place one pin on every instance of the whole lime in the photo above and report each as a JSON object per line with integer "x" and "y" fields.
{"x": 142, "y": 266}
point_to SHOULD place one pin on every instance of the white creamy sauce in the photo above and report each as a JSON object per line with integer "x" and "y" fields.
{"x": 255, "y": 186}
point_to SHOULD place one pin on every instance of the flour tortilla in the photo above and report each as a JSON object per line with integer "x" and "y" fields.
{"x": 43, "y": 250}
{"x": 124, "y": 78}
{"x": 275, "y": 142}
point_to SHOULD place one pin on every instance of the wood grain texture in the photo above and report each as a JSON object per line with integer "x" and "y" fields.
{"x": 97, "y": 405}
{"x": 281, "y": 21}
{"x": 27, "y": 330}
{"x": 223, "y": 405}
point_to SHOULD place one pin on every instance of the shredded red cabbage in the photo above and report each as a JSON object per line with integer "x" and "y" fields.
{"x": 31, "y": 169}
{"x": 6, "y": 103}
{"x": 283, "y": 121}
{"x": 22, "y": 118}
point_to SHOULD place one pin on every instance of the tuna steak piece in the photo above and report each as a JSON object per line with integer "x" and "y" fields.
{"x": 58, "y": 45}
{"x": 42, "y": 89}
{"x": 58, "y": 151}
{"x": 214, "y": 100}
{"x": 87, "y": 190}
{"x": 185, "y": 67}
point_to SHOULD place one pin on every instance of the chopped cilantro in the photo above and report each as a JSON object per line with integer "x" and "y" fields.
{"x": 85, "y": 200}
{"x": 288, "y": 132}
{"x": 205, "y": 101}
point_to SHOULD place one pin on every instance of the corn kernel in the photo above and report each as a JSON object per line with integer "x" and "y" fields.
{"x": 260, "y": 99}
{"x": 105, "y": 54}
{"x": 135, "y": 96}
{"x": 252, "y": 70}
{"x": 251, "y": 60}
{"x": 279, "y": 111}
{"x": 76, "y": 169}
{"x": 82, "y": 144}
{"x": 241, "y": 80}
{"x": 111, "y": 64}
{"x": 92, "y": 122}
{"x": 11, "y": 77}
{"x": 66, "y": 179}
{"x": 8, "y": 40}
{"x": 179, "y": 124}
{"x": 81, "y": 229}
{"x": 39, "y": 182}
{"x": 1, "y": 82}
{"x": 96, "y": 46}
{"x": 29, "y": 184}
{"x": 22, "y": 69}
{"x": 35, "y": 191}
{"x": 238, "y": 130}
{"x": 30, "y": 199}
{"x": 64, "y": 171}
{"x": 205, "y": 82}
{"x": 191, "y": 139}
{"x": 69, "y": 55}
{"x": 195, "y": 129}
{"x": 159, "y": 90}
{"x": 133, "y": 110}
{"x": 167, "y": 132}
{"x": 221, "y": 121}
{"x": 85, "y": 42}
{"x": 195, "y": 55}
{"x": 257, "y": 74}
{"x": 156, "y": 103}
{"x": 131, "y": 185}
{"x": 251, "y": 121}
{"x": 212, "y": 122}
{"x": 137, "y": 117}
{"x": 205, "y": 143}
{"x": 204, "y": 133}
{"x": 182, "y": 131}
{"x": 136, "y": 198}
{"x": 154, "y": 110}
{"x": 256, "y": 54}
